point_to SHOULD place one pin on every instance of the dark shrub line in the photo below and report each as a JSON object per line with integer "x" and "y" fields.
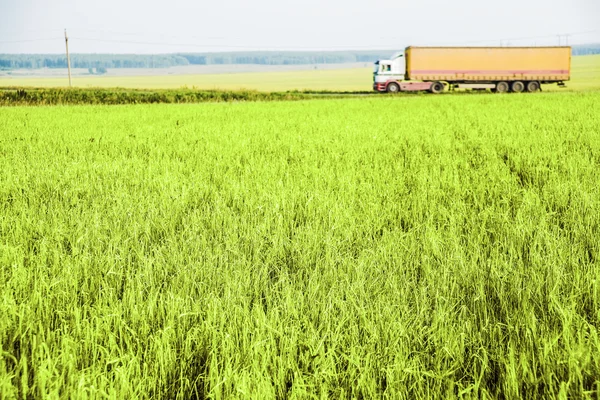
{"x": 15, "y": 96}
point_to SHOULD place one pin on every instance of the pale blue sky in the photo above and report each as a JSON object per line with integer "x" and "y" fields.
{"x": 151, "y": 26}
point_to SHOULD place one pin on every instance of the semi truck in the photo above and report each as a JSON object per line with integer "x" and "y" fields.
{"x": 500, "y": 69}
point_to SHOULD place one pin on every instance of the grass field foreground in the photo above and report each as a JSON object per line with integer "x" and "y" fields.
{"x": 424, "y": 247}
{"x": 585, "y": 75}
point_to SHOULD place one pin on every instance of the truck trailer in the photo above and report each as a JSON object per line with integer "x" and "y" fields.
{"x": 501, "y": 69}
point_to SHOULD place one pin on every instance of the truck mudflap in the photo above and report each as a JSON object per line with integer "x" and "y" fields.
{"x": 379, "y": 86}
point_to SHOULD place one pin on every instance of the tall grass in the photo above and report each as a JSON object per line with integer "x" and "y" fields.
{"x": 18, "y": 96}
{"x": 423, "y": 247}
{"x": 118, "y": 96}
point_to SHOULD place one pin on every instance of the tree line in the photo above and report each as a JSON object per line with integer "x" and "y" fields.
{"x": 32, "y": 61}
{"x": 97, "y": 61}
{"x": 585, "y": 50}
{"x": 101, "y": 62}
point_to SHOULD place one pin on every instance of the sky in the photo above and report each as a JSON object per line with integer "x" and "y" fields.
{"x": 152, "y": 26}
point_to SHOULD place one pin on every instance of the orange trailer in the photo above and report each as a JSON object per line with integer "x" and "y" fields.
{"x": 501, "y": 69}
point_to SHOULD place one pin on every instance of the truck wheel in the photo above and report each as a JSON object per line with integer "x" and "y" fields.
{"x": 533, "y": 86}
{"x": 502, "y": 87}
{"x": 517, "y": 87}
{"x": 437, "y": 87}
{"x": 393, "y": 87}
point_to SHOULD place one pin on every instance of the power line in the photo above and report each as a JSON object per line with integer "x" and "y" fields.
{"x": 146, "y": 34}
{"x": 30, "y": 40}
{"x": 215, "y": 45}
{"x": 329, "y": 48}
{"x": 531, "y": 37}
{"x": 388, "y": 38}
{"x": 12, "y": 33}
{"x": 281, "y": 48}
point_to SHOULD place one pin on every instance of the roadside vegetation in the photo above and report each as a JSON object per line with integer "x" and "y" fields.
{"x": 62, "y": 96}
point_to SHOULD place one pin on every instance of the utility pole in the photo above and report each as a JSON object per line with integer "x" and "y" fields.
{"x": 68, "y": 58}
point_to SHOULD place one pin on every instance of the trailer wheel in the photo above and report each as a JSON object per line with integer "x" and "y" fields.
{"x": 517, "y": 87}
{"x": 393, "y": 87}
{"x": 502, "y": 87}
{"x": 437, "y": 87}
{"x": 533, "y": 86}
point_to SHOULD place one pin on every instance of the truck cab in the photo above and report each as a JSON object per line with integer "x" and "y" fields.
{"x": 387, "y": 71}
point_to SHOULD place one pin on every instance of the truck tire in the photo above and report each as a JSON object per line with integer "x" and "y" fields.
{"x": 502, "y": 87}
{"x": 533, "y": 86}
{"x": 392, "y": 87}
{"x": 517, "y": 87}
{"x": 437, "y": 87}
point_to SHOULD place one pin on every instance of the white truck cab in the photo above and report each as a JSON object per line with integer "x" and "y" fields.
{"x": 385, "y": 71}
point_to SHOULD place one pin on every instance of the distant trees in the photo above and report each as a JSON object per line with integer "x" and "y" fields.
{"x": 285, "y": 58}
{"x": 104, "y": 61}
{"x": 87, "y": 61}
{"x": 583, "y": 50}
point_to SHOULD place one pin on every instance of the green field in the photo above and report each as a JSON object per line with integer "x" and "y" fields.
{"x": 404, "y": 248}
{"x": 343, "y": 79}
{"x": 585, "y": 75}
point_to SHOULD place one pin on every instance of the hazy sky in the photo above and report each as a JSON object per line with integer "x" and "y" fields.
{"x": 152, "y": 26}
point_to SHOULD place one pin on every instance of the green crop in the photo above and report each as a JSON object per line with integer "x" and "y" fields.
{"x": 404, "y": 248}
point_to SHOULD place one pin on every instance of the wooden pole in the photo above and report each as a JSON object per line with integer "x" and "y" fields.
{"x": 68, "y": 58}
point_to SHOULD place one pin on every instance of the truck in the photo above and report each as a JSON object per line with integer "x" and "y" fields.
{"x": 499, "y": 69}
